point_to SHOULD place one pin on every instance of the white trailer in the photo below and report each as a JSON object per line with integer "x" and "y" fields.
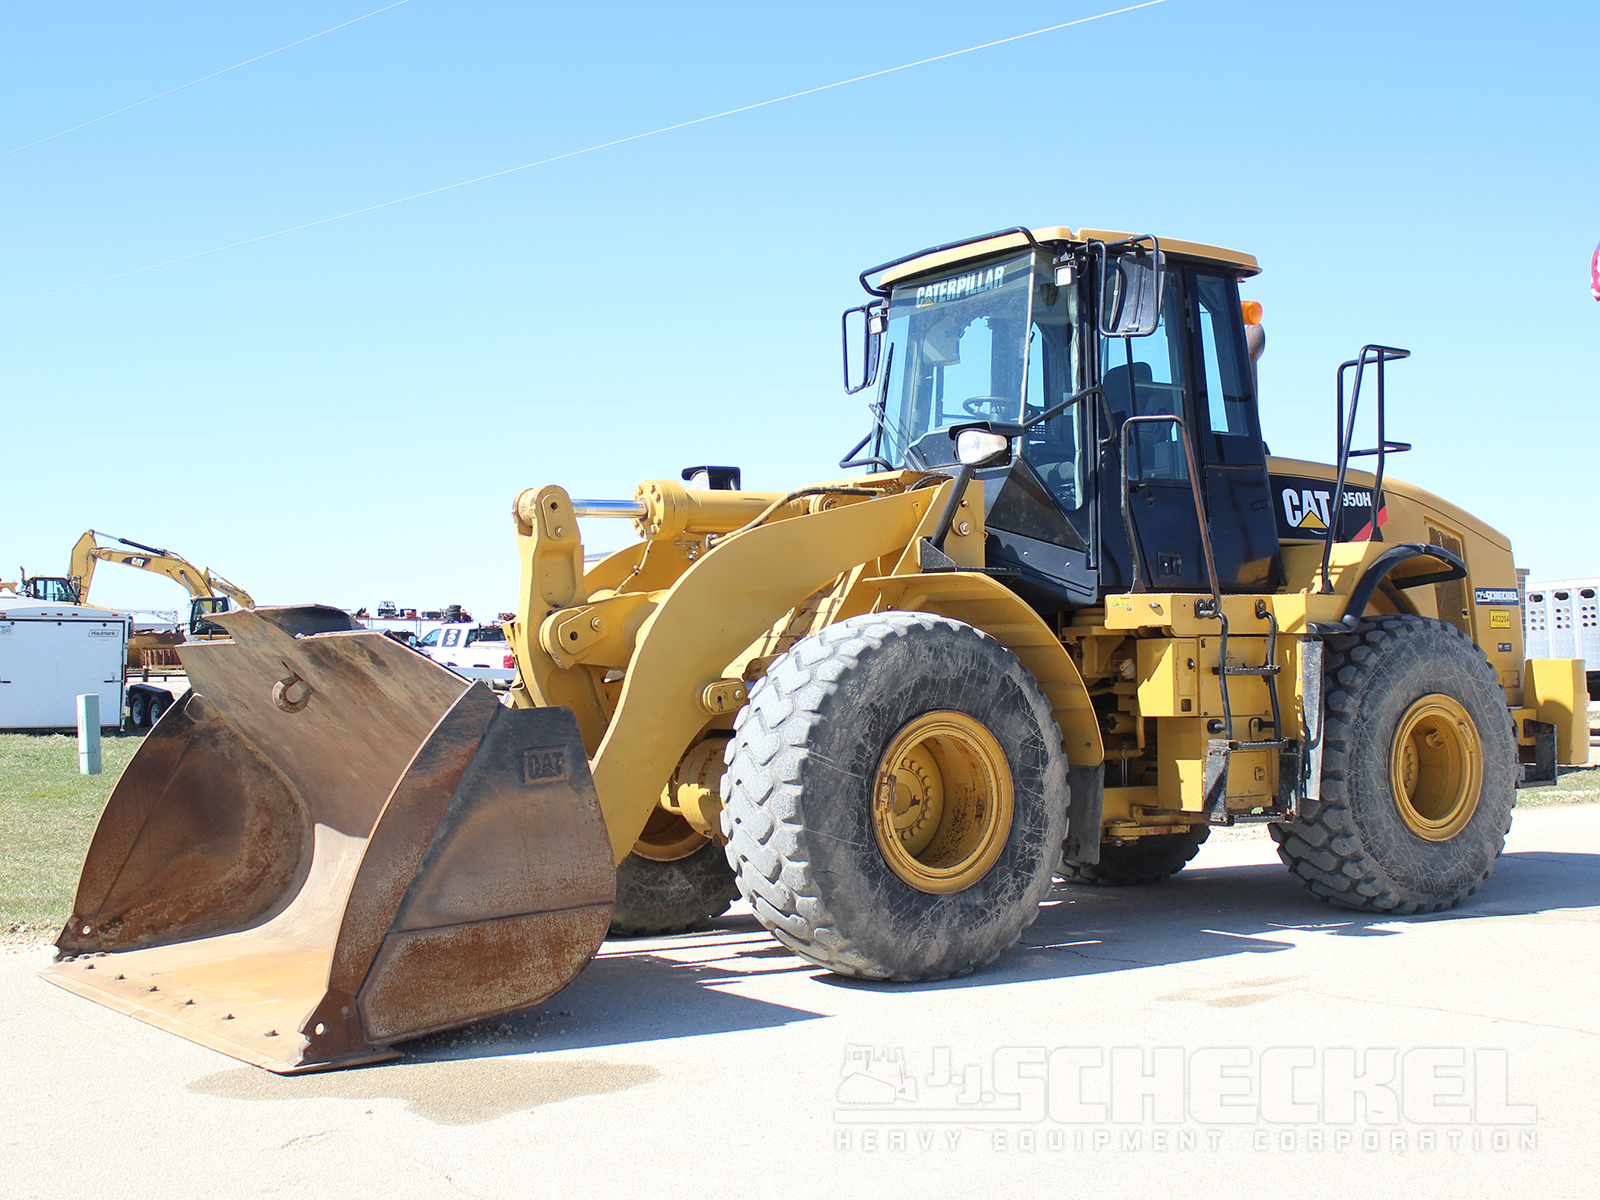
{"x": 50, "y": 654}
{"x": 1561, "y": 619}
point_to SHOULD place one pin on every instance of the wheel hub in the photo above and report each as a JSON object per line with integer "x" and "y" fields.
{"x": 1436, "y": 768}
{"x": 918, "y": 798}
{"x": 942, "y": 802}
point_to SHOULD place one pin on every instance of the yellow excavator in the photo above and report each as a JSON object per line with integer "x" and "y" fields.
{"x": 1061, "y": 617}
{"x": 209, "y": 592}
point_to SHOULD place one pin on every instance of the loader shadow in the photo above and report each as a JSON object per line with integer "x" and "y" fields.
{"x": 1210, "y": 912}
{"x": 629, "y": 994}
{"x": 656, "y": 989}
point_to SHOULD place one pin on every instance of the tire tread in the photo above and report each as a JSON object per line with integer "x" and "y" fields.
{"x": 1324, "y": 848}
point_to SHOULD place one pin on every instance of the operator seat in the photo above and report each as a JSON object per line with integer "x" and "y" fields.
{"x": 1157, "y": 450}
{"x": 1119, "y": 393}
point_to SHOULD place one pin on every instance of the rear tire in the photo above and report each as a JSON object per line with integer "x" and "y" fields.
{"x": 157, "y": 706}
{"x": 1419, "y": 771}
{"x": 1149, "y": 859}
{"x": 139, "y": 710}
{"x": 895, "y": 797}
{"x": 657, "y": 898}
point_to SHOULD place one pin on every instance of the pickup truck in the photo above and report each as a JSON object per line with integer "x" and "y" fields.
{"x": 475, "y": 651}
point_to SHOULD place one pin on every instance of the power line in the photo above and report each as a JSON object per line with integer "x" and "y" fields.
{"x": 356, "y": 212}
{"x": 202, "y": 79}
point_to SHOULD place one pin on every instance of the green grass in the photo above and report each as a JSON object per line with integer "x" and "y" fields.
{"x": 47, "y": 815}
{"x": 1576, "y": 785}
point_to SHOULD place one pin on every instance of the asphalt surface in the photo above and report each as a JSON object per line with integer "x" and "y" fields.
{"x": 719, "y": 1064}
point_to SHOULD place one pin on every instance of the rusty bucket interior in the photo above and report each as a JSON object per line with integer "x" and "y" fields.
{"x": 333, "y": 844}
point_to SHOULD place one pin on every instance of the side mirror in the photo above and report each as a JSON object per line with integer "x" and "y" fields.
{"x": 715, "y": 479}
{"x": 982, "y": 448}
{"x": 862, "y": 328}
{"x": 1130, "y": 291}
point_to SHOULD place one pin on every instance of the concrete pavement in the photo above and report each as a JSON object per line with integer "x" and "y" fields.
{"x": 1222, "y": 1034}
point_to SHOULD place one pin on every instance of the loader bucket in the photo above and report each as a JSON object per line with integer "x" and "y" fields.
{"x": 333, "y": 844}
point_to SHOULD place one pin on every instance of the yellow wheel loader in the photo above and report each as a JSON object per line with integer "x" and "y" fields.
{"x": 1062, "y": 616}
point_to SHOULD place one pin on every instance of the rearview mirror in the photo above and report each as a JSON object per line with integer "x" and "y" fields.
{"x": 862, "y": 330}
{"x": 1130, "y": 291}
{"x": 981, "y": 448}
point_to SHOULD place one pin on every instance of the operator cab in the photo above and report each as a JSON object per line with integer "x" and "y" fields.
{"x": 50, "y": 589}
{"x": 202, "y": 607}
{"x": 1100, "y": 328}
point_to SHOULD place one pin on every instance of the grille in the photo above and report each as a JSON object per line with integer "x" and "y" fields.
{"x": 1451, "y": 596}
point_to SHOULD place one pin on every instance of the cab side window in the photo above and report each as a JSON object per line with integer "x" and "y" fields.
{"x": 431, "y": 638}
{"x": 1153, "y": 383}
{"x": 1230, "y": 402}
{"x": 1055, "y": 449}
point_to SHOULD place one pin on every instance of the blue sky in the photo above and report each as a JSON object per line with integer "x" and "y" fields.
{"x": 345, "y": 414}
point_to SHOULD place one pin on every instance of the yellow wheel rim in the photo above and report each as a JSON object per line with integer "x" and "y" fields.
{"x": 942, "y": 802}
{"x": 1436, "y": 768}
{"x": 667, "y": 837}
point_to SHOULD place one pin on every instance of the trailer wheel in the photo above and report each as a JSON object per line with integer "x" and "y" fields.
{"x": 1148, "y": 859}
{"x": 156, "y": 707}
{"x": 139, "y": 710}
{"x": 895, "y": 797}
{"x": 1419, "y": 771}
{"x": 656, "y": 897}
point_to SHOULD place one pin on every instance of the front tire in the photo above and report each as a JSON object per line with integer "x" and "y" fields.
{"x": 895, "y": 798}
{"x": 1419, "y": 771}
{"x": 657, "y": 898}
{"x": 1148, "y": 859}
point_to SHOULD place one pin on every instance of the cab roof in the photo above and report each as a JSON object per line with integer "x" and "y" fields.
{"x": 1244, "y": 264}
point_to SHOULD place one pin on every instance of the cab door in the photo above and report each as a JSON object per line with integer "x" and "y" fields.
{"x": 1244, "y": 528}
{"x": 1194, "y": 366}
{"x": 1150, "y": 376}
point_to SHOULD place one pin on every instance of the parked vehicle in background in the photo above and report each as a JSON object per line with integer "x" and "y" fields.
{"x": 50, "y": 654}
{"x": 1561, "y": 619}
{"x": 475, "y": 651}
{"x": 393, "y": 619}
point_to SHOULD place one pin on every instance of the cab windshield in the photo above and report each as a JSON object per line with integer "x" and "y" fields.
{"x": 993, "y": 341}
{"x": 51, "y": 590}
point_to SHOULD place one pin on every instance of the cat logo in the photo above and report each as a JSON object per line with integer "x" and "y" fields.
{"x": 1307, "y": 509}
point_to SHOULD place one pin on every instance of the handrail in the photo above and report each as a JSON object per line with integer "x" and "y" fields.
{"x": 1134, "y": 543}
{"x": 1344, "y": 431}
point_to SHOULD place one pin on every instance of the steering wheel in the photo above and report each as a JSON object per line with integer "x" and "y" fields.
{"x": 974, "y": 405}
